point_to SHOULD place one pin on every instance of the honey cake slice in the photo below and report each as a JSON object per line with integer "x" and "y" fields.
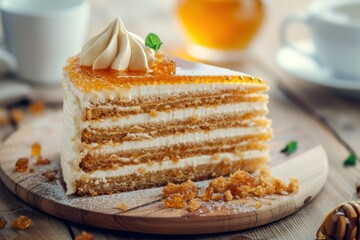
{"x": 177, "y": 120}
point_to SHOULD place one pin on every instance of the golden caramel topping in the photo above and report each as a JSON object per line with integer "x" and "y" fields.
{"x": 84, "y": 236}
{"x": 86, "y": 79}
{"x": 21, "y": 223}
{"x": 3, "y": 222}
{"x": 35, "y": 150}
{"x": 22, "y": 165}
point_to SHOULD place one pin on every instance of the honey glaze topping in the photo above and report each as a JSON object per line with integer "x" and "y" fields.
{"x": 163, "y": 71}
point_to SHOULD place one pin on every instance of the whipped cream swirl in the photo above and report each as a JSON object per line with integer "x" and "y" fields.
{"x": 118, "y": 49}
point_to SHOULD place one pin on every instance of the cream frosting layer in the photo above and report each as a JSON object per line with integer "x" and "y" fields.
{"x": 177, "y": 114}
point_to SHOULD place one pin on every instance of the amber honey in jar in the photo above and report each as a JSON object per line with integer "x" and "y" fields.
{"x": 218, "y": 29}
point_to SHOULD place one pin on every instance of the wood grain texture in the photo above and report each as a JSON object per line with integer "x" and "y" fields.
{"x": 146, "y": 211}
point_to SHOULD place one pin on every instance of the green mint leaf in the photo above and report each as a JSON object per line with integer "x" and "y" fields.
{"x": 290, "y": 148}
{"x": 350, "y": 161}
{"x": 153, "y": 41}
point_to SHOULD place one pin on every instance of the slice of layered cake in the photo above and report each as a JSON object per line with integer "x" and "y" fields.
{"x": 134, "y": 119}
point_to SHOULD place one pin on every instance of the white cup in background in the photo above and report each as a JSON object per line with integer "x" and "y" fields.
{"x": 42, "y": 34}
{"x": 335, "y": 32}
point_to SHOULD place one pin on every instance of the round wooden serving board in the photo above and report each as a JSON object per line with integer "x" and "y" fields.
{"x": 146, "y": 212}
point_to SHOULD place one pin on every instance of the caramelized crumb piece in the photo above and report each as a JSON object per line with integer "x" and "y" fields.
{"x": 21, "y": 223}
{"x": 244, "y": 201}
{"x": 3, "y": 222}
{"x": 36, "y": 150}
{"x": 31, "y": 170}
{"x": 4, "y": 117}
{"x": 258, "y": 204}
{"x": 219, "y": 184}
{"x": 270, "y": 202}
{"x": 84, "y": 236}
{"x": 36, "y": 107}
{"x": 42, "y": 161}
{"x": 293, "y": 186}
{"x": 122, "y": 206}
{"x": 188, "y": 189}
{"x": 50, "y": 176}
{"x": 175, "y": 201}
{"x": 208, "y": 194}
{"x": 193, "y": 205}
{"x": 195, "y": 118}
{"x": 153, "y": 113}
{"x": 22, "y": 165}
{"x": 141, "y": 170}
{"x": 17, "y": 115}
{"x": 216, "y": 197}
{"x": 228, "y": 196}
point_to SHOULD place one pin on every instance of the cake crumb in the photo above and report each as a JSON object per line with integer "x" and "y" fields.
{"x": 122, "y": 206}
{"x": 228, "y": 196}
{"x": 193, "y": 205}
{"x": 215, "y": 156}
{"x": 153, "y": 113}
{"x": 17, "y": 115}
{"x": 42, "y": 161}
{"x": 141, "y": 170}
{"x": 31, "y": 170}
{"x": 22, "y": 164}
{"x": 239, "y": 185}
{"x": 21, "y": 223}
{"x": 36, "y": 107}
{"x": 195, "y": 118}
{"x": 293, "y": 186}
{"x": 175, "y": 201}
{"x": 84, "y": 236}
{"x": 208, "y": 194}
{"x": 270, "y": 202}
{"x": 187, "y": 189}
{"x": 258, "y": 205}
{"x": 3, "y": 222}
{"x": 50, "y": 175}
{"x": 4, "y": 117}
{"x": 35, "y": 149}
{"x": 217, "y": 197}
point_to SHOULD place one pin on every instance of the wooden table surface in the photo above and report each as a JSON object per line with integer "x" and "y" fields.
{"x": 334, "y": 121}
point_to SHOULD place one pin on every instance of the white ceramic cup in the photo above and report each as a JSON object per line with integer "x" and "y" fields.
{"x": 42, "y": 34}
{"x": 335, "y": 32}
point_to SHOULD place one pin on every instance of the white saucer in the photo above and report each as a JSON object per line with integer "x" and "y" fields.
{"x": 307, "y": 69}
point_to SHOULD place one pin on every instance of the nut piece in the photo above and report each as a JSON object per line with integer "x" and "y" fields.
{"x": 340, "y": 222}
{"x": 3, "y": 222}
{"x": 22, "y": 165}
{"x": 21, "y": 223}
{"x": 84, "y": 236}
